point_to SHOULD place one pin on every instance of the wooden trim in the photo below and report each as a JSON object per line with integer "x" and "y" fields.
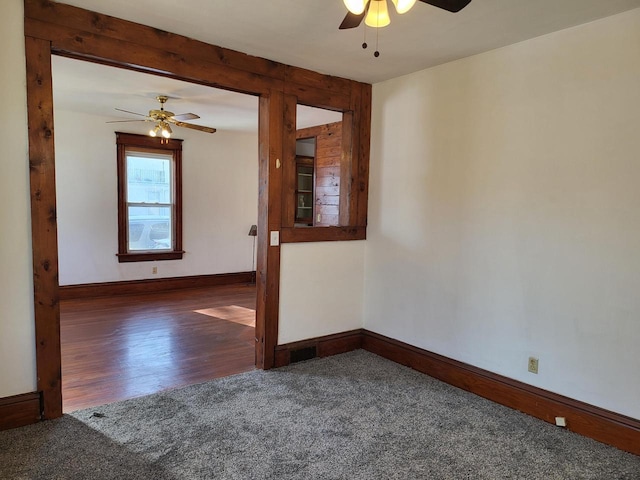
{"x": 131, "y": 141}
{"x": 315, "y": 131}
{"x": 80, "y": 19}
{"x": 322, "y": 234}
{"x": 136, "y": 55}
{"x": 151, "y": 285}
{"x": 348, "y": 163}
{"x": 271, "y": 136}
{"x": 149, "y": 144}
{"x": 44, "y": 224}
{"x": 150, "y": 256}
{"x": 325, "y": 346}
{"x": 362, "y": 131}
{"x": 302, "y": 76}
{"x": 289, "y": 177}
{"x": 19, "y": 410}
{"x": 602, "y": 425}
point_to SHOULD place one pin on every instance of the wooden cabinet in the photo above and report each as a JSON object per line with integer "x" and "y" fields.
{"x": 304, "y": 191}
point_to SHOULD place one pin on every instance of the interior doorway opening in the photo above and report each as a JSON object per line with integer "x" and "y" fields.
{"x": 116, "y": 346}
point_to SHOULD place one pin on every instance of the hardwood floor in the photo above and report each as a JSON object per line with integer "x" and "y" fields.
{"x": 121, "y": 347}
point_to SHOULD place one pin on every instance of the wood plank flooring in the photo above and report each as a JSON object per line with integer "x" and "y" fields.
{"x": 121, "y": 347}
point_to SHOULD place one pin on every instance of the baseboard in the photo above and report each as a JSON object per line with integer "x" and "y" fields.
{"x": 152, "y": 285}
{"x": 319, "y": 347}
{"x": 19, "y": 410}
{"x": 594, "y": 422}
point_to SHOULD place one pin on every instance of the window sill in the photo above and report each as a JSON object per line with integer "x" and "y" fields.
{"x": 322, "y": 234}
{"x": 149, "y": 256}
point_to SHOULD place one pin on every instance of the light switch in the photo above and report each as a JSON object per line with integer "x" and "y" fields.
{"x": 275, "y": 238}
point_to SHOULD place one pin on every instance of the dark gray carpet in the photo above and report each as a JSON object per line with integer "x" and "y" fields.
{"x": 352, "y": 416}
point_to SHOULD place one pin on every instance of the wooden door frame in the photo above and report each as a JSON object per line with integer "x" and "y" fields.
{"x": 58, "y": 29}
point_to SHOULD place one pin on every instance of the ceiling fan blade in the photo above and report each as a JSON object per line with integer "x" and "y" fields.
{"x": 185, "y": 116}
{"x": 449, "y": 5}
{"x": 132, "y": 113}
{"x": 195, "y": 127}
{"x": 352, "y": 20}
{"x": 124, "y": 121}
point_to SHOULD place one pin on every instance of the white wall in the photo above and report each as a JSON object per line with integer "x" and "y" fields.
{"x": 321, "y": 289}
{"x": 17, "y": 344}
{"x": 220, "y": 201}
{"x": 504, "y": 211}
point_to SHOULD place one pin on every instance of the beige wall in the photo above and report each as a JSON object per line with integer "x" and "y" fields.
{"x": 17, "y": 344}
{"x": 321, "y": 289}
{"x": 504, "y": 211}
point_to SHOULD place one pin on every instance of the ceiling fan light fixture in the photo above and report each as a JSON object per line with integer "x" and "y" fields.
{"x": 403, "y": 6}
{"x": 154, "y": 131}
{"x": 355, "y": 6}
{"x": 378, "y": 14}
{"x": 166, "y": 130}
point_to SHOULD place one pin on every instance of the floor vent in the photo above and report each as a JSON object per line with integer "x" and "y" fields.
{"x": 302, "y": 354}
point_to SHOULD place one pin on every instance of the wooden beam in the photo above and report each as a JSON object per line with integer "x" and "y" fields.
{"x": 322, "y": 234}
{"x": 309, "y": 78}
{"x": 75, "y": 19}
{"x": 363, "y": 129}
{"x": 150, "y": 59}
{"x": 43, "y": 224}
{"x": 270, "y": 218}
{"x": 289, "y": 177}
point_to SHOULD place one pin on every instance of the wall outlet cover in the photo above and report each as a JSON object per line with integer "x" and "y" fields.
{"x": 561, "y": 421}
{"x": 533, "y": 365}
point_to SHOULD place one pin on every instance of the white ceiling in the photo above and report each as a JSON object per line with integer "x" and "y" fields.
{"x": 305, "y": 33}
{"x": 96, "y": 89}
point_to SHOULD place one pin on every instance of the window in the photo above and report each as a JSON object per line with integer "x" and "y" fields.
{"x": 149, "y": 198}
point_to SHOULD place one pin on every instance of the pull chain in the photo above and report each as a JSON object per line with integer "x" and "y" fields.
{"x": 364, "y": 39}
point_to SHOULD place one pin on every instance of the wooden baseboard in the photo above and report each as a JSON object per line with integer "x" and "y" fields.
{"x": 19, "y": 410}
{"x": 152, "y": 285}
{"x": 321, "y": 346}
{"x": 594, "y": 422}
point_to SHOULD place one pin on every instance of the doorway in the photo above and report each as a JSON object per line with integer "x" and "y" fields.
{"x": 53, "y": 28}
{"x": 121, "y": 346}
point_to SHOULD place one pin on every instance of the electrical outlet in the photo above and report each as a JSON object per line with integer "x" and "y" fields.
{"x": 561, "y": 422}
{"x": 533, "y": 364}
{"x": 154, "y": 270}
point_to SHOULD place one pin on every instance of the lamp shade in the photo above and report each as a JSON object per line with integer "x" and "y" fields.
{"x": 403, "y": 6}
{"x": 356, "y": 6}
{"x": 378, "y": 14}
{"x": 253, "y": 231}
{"x": 166, "y": 130}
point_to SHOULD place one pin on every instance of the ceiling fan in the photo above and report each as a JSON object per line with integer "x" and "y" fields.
{"x": 359, "y": 9}
{"x": 162, "y": 118}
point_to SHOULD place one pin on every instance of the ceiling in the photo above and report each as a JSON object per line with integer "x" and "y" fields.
{"x": 304, "y": 33}
{"x": 96, "y": 89}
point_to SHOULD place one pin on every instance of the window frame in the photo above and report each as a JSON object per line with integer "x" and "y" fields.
{"x": 125, "y": 141}
{"x": 354, "y": 165}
